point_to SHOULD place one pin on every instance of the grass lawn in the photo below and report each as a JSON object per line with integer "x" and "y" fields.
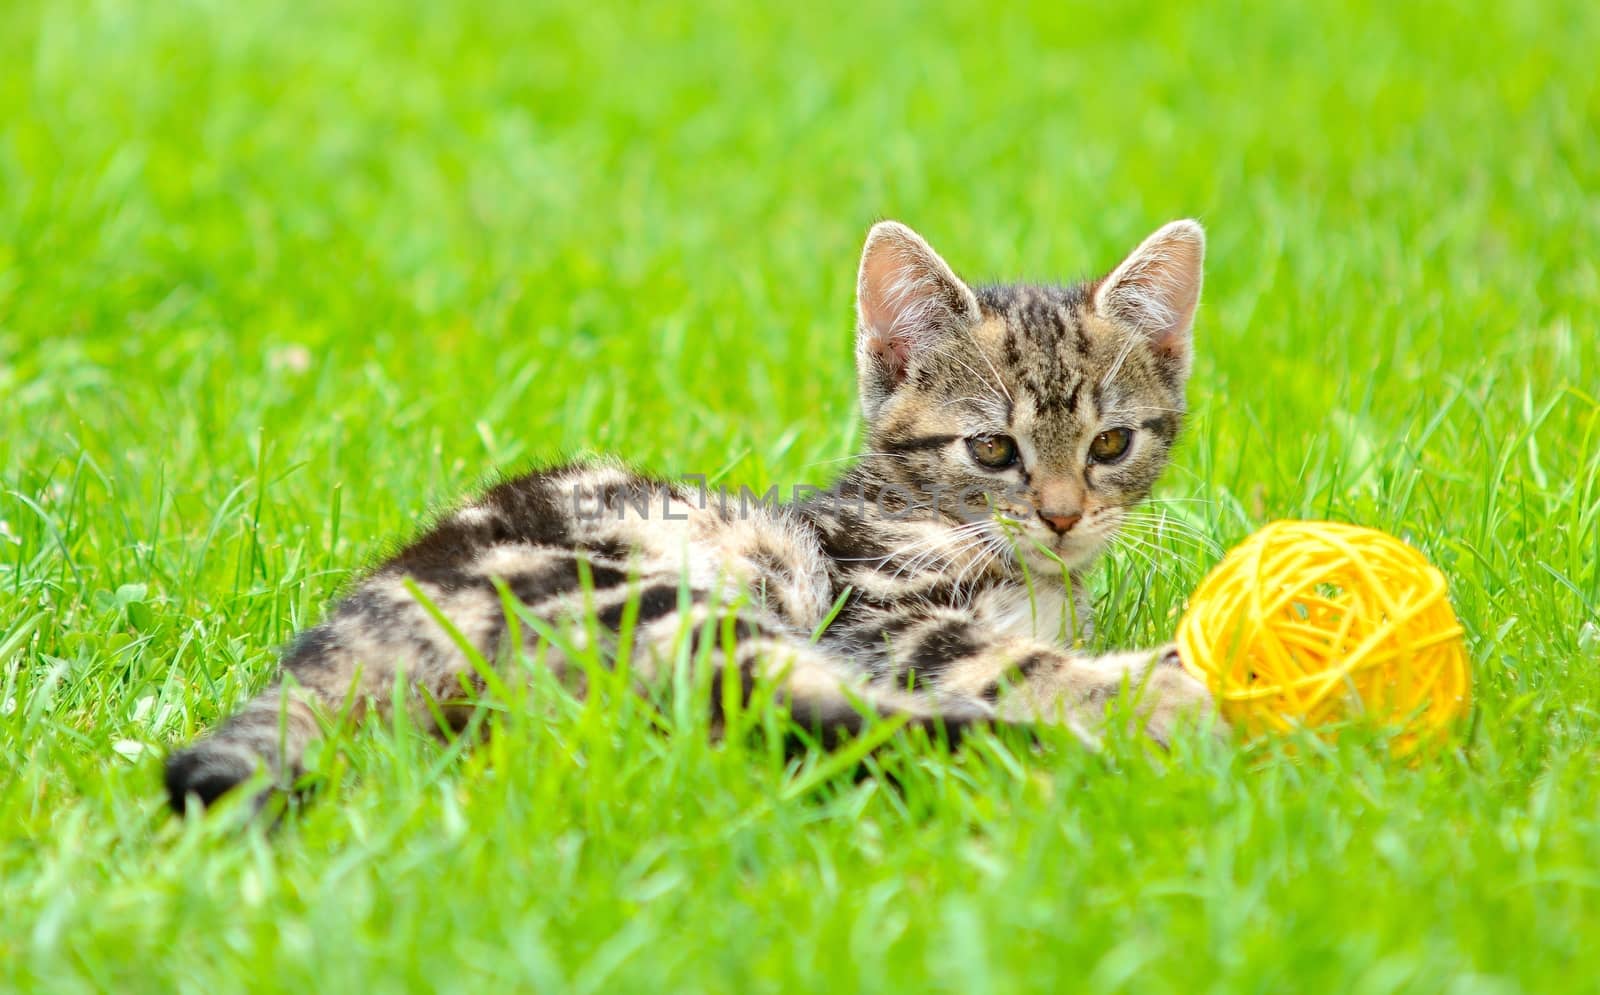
{"x": 278, "y": 279}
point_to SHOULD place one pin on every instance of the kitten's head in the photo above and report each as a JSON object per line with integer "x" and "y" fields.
{"x": 1047, "y": 411}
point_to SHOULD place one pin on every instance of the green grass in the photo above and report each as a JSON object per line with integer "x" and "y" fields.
{"x": 277, "y": 279}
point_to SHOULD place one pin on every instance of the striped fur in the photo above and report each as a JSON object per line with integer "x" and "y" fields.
{"x": 958, "y": 595}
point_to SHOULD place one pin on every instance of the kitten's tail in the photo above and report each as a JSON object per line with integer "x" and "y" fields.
{"x": 270, "y": 734}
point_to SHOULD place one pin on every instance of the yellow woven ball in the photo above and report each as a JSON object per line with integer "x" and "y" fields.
{"x": 1315, "y": 623}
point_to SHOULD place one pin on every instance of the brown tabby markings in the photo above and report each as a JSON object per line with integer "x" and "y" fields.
{"x": 959, "y": 613}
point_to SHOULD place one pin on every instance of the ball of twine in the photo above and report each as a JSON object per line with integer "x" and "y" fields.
{"x": 1317, "y": 623}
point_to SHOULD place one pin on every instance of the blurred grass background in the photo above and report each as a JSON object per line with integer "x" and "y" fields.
{"x": 276, "y": 280}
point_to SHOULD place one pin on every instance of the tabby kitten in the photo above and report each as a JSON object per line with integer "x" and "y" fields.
{"x": 1009, "y": 430}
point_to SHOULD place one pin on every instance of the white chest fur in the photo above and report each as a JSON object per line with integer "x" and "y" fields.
{"x": 1048, "y": 612}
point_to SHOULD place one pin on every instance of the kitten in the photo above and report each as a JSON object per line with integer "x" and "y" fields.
{"x": 1009, "y": 430}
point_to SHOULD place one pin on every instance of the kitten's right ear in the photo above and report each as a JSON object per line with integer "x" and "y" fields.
{"x": 1156, "y": 290}
{"x": 906, "y": 298}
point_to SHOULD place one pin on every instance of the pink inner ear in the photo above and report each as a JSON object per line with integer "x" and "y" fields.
{"x": 890, "y": 284}
{"x": 1173, "y": 338}
{"x": 892, "y": 354}
{"x": 890, "y": 281}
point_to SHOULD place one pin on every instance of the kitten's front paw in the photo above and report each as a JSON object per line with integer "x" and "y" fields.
{"x": 1172, "y": 698}
{"x": 1164, "y": 696}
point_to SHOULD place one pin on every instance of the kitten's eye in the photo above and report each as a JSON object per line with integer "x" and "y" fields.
{"x": 1110, "y": 445}
{"x": 994, "y": 451}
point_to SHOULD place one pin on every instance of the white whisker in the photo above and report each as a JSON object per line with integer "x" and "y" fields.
{"x": 1190, "y": 543}
{"x": 1122, "y": 357}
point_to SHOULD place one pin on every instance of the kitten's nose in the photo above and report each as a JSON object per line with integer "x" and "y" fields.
{"x": 1061, "y": 523}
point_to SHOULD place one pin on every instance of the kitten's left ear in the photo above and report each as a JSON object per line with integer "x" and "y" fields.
{"x": 1157, "y": 288}
{"x": 907, "y": 298}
